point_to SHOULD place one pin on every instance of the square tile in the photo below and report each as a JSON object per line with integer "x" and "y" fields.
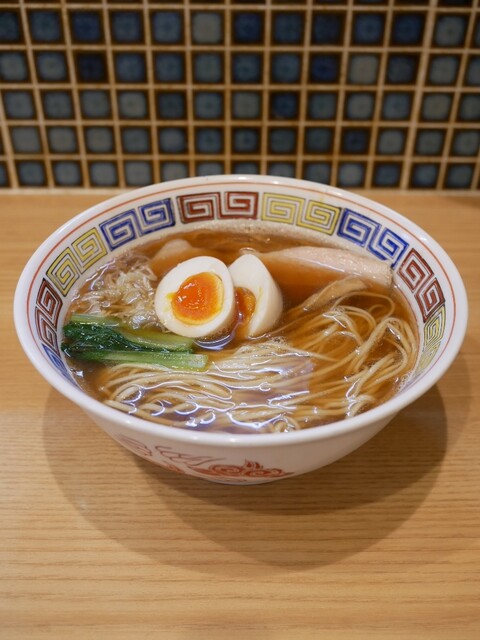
{"x": 171, "y": 105}
{"x": 10, "y": 27}
{"x": 51, "y": 66}
{"x": 209, "y": 140}
{"x": 103, "y": 174}
{"x": 402, "y": 68}
{"x": 126, "y": 27}
{"x": 355, "y": 140}
{"x": 443, "y": 69}
{"x": 208, "y": 68}
{"x": 173, "y": 170}
{"x": 283, "y": 169}
{"x": 91, "y": 67}
{"x": 95, "y": 104}
{"x": 247, "y": 68}
{"x": 172, "y": 140}
{"x": 387, "y": 174}
{"x": 282, "y": 140}
{"x": 247, "y": 27}
{"x": 31, "y": 173}
{"x": 45, "y": 26}
{"x": 208, "y": 105}
{"x": 99, "y": 140}
{"x": 327, "y": 28}
{"x": 363, "y": 68}
{"x": 391, "y": 141}
{"x": 248, "y": 168}
{"x": 130, "y": 67}
{"x": 284, "y": 105}
{"x": 397, "y": 105}
{"x": 62, "y": 140}
{"x": 351, "y": 174}
{"x": 317, "y": 172}
{"x": 57, "y": 105}
{"x": 285, "y": 68}
{"x": 450, "y": 30}
{"x": 408, "y": 29}
{"x": 469, "y": 108}
{"x": 288, "y": 28}
{"x": 86, "y": 27}
{"x": 429, "y": 142}
{"x": 67, "y": 173}
{"x": 167, "y": 27}
{"x": 466, "y": 142}
{"x": 368, "y": 28}
{"x": 136, "y": 140}
{"x": 246, "y": 140}
{"x": 209, "y": 168}
{"x": 169, "y": 67}
{"x": 132, "y": 105}
{"x": 26, "y": 139}
{"x": 459, "y": 176}
{"x": 424, "y": 175}
{"x": 207, "y": 27}
{"x": 322, "y": 105}
{"x": 319, "y": 140}
{"x": 4, "y": 179}
{"x": 13, "y": 66}
{"x": 324, "y": 68}
{"x": 472, "y": 76}
{"x": 138, "y": 173}
{"x": 359, "y": 105}
{"x": 19, "y": 105}
{"x": 246, "y": 105}
{"x": 436, "y": 106}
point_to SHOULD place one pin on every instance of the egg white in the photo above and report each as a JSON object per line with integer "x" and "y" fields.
{"x": 172, "y": 281}
{"x": 249, "y": 272}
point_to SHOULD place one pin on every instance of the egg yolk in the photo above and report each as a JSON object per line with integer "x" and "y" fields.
{"x": 246, "y": 302}
{"x": 198, "y": 299}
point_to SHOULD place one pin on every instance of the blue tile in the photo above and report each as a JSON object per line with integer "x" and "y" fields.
{"x": 322, "y": 106}
{"x": 424, "y": 175}
{"x": 368, "y": 28}
{"x": 469, "y": 108}
{"x": 247, "y": 27}
{"x": 402, "y": 69}
{"x": 455, "y": 3}
{"x": 355, "y": 140}
{"x": 99, "y": 140}
{"x": 103, "y": 174}
{"x": 466, "y": 142}
{"x": 132, "y": 105}
{"x": 45, "y": 26}
{"x": 130, "y": 67}
{"x": 285, "y": 67}
{"x": 208, "y": 105}
{"x": 450, "y": 30}
{"x": 283, "y": 169}
{"x": 172, "y": 140}
{"x": 288, "y": 28}
{"x": 246, "y": 105}
{"x": 363, "y": 68}
{"x": 318, "y": 139}
{"x": 247, "y": 168}
{"x": 26, "y": 140}
{"x": 327, "y": 28}
{"x": 10, "y": 30}
{"x": 67, "y": 173}
{"x": 387, "y": 174}
{"x": 167, "y": 27}
{"x": 436, "y": 106}
{"x": 207, "y": 27}
{"x": 19, "y": 105}
{"x": 284, "y": 106}
{"x": 408, "y": 29}
{"x": 443, "y": 70}
{"x": 476, "y": 34}
{"x": 13, "y": 66}
{"x": 473, "y": 72}
{"x": 169, "y": 67}
{"x": 246, "y": 140}
{"x": 317, "y": 172}
{"x": 429, "y": 142}
{"x": 324, "y": 68}
{"x": 126, "y": 26}
{"x": 171, "y": 105}
{"x": 359, "y": 106}
{"x": 57, "y": 105}
{"x": 391, "y": 141}
{"x": 95, "y": 103}
{"x": 397, "y": 106}
{"x": 282, "y": 140}
{"x": 209, "y": 168}
{"x": 136, "y": 140}
{"x": 4, "y": 181}
{"x": 174, "y": 170}
{"x": 86, "y": 26}
{"x": 207, "y": 68}
{"x": 31, "y": 173}
{"x": 247, "y": 67}
{"x": 51, "y": 66}
{"x": 138, "y": 173}
{"x": 209, "y": 140}
{"x": 459, "y": 176}
{"x": 62, "y": 140}
{"x": 91, "y": 67}
{"x": 351, "y": 174}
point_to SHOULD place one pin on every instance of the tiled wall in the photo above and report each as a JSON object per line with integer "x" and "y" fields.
{"x": 358, "y": 93}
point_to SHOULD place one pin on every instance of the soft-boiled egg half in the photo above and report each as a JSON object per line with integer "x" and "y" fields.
{"x": 259, "y": 294}
{"x": 196, "y": 299}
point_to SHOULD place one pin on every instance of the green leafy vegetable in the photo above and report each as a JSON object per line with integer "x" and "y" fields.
{"x": 173, "y": 360}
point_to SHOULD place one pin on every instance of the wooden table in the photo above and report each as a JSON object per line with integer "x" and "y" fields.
{"x": 96, "y": 543}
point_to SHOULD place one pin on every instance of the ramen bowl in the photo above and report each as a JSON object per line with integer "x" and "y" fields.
{"x": 421, "y": 270}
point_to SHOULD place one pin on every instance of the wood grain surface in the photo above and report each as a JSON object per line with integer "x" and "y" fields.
{"x": 96, "y": 543}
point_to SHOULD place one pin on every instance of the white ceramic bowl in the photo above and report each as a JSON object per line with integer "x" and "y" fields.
{"x": 421, "y": 268}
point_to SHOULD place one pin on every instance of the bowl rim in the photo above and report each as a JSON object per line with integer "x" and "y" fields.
{"x": 381, "y": 413}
